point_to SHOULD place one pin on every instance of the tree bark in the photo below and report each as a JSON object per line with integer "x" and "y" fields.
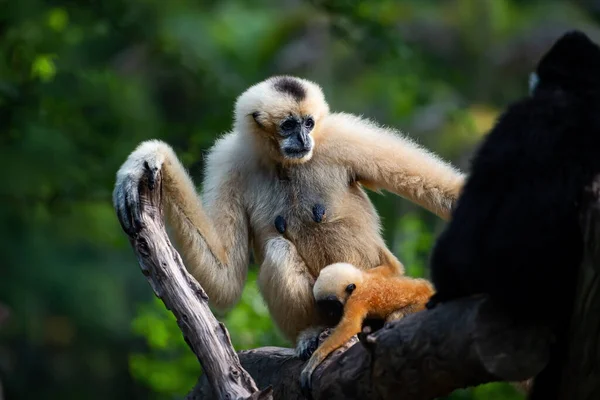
{"x": 181, "y": 293}
{"x": 422, "y": 356}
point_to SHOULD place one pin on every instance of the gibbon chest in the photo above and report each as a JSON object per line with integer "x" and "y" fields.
{"x": 343, "y": 212}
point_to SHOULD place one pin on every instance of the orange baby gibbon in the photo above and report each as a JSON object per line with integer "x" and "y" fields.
{"x": 378, "y": 293}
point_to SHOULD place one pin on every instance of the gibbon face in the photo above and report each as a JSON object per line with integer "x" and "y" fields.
{"x": 283, "y": 112}
{"x": 335, "y": 284}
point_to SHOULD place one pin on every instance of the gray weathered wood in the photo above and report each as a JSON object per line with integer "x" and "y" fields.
{"x": 181, "y": 293}
{"x": 423, "y": 356}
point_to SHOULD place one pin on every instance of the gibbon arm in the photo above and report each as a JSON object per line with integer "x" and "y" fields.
{"x": 211, "y": 233}
{"x": 350, "y": 325}
{"x": 382, "y": 159}
{"x": 286, "y": 286}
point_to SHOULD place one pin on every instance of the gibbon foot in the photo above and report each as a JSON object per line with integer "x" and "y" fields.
{"x": 309, "y": 340}
{"x": 146, "y": 160}
{"x": 306, "y": 347}
{"x": 152, "y": 173}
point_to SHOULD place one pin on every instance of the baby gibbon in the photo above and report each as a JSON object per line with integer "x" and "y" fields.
{"x": 379, "y": 293}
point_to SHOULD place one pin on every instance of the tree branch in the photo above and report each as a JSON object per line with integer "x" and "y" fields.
{"x": 422, "y": 356}
{"x": 182, "y": 294}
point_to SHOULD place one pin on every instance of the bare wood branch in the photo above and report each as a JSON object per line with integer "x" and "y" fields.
{"x": 181, "y": 293}
{"x": 423, "y": 356}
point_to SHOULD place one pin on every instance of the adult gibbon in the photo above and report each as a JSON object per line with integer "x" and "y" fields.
{"x": 286, "y": 154}
{"x": 379, "y": 293}
{"x": 515, "y": 234}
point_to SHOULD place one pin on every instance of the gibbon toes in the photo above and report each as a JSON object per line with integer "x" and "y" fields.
{"x": 152, "y": 173}
{"x": 318, "y": 212}
{"x": 147, "y": 158}
{"x": 306, "y": 347}
{"x": 280, "y": 224}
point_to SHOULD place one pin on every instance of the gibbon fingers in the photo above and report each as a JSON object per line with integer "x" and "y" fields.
{"x": 285, "y": 155}
{"x": 375, "y": 293}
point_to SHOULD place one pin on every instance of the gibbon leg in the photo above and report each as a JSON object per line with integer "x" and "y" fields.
{"x": 211, "y": 233}
{"x": 286, "y": 286}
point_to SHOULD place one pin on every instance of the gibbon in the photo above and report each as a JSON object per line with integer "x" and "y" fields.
{"x": 285, "y": 155}
{"x": 379, "y": 293}
{"x": 515, "y": 234}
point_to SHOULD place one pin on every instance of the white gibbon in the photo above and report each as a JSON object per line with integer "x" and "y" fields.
{"x": 286, "y": 182}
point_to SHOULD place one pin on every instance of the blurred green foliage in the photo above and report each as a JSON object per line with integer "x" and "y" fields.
{"x": 82, "y": 82}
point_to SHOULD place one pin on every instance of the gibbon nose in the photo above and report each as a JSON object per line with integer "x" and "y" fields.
{"x": 304, "y": 141}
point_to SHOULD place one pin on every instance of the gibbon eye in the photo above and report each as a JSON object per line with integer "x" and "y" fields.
{"x": 309, "y": 123}
{"x": 289, "y": 124}
{"x": 350, "y": 287}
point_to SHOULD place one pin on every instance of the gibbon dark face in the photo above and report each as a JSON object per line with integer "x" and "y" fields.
{"x": 295, "y": 136}
{"x": 285, "y": 114}
{"x": 332, "y": 289}
{"x": 330, "y": 310}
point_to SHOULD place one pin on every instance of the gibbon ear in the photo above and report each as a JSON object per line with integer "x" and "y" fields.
{"x": 350, "y": 288}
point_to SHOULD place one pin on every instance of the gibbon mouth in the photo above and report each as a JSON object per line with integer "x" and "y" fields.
{"x": 296, "y": 153}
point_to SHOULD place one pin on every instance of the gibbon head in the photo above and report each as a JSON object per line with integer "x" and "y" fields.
{"x": 283, "y": 115}
{"x": 572, "y": 63}
{"x": 333, "y": 287}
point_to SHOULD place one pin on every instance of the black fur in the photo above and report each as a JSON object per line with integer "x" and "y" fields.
{"x": 515, "y": 233}
{"x": 292, "y": 87}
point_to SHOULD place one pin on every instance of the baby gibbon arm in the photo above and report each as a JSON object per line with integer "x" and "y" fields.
{"x": 350, "y": 325}
{"x": 383, "y": 159}
{"x": 212, "y": 235}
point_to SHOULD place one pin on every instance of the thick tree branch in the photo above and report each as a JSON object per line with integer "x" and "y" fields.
{"x": 182, "y": 294}
{"x": 423, "y": 356}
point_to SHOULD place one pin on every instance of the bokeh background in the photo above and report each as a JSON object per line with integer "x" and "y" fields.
{"x": 83, "y": 81}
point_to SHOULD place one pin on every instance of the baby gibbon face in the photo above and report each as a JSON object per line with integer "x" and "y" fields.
{"x": 335, "y": 284}
{"x": 283, "y": 113}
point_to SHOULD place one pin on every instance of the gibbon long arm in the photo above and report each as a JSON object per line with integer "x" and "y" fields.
{"x": 382, "y": 159}
{"x": 284, "y": 279}
{"x": 211, "y": 233}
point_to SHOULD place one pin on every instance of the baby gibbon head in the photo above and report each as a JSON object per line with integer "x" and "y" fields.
{"x": 335, "y": 284}
{"x": 283, "y": 115}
